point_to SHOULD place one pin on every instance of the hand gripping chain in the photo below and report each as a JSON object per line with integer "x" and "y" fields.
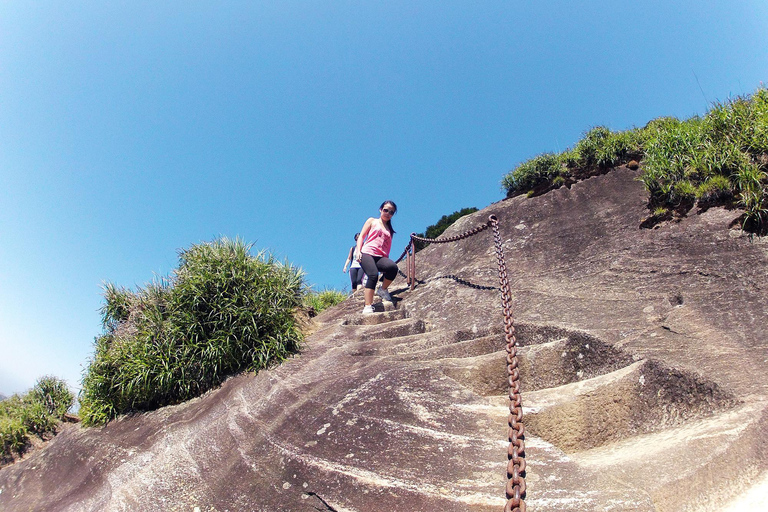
{"x": 515, "y": 489}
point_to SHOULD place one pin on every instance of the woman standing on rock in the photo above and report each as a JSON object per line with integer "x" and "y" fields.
{"x": 373, "y": 247}
{"x": 355, "y": 270}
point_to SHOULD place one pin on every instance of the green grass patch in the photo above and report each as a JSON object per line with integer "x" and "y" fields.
{"x": 315, "y": 302}
{"x": 221, "y": 312}
{"x": 536, "y": 172}
{"x": 719, "y": 158}
{"x": 36, "y": 413}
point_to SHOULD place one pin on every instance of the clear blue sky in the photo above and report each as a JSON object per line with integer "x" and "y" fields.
{"x": 129, "y": 130}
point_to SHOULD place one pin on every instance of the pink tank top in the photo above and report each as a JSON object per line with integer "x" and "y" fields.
{"x": 379, "y": 240}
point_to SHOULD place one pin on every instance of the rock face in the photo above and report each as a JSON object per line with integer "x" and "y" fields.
{"x": 644, "y": 367}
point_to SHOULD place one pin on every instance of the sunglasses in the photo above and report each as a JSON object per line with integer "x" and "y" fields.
{"x": 387, "y": 210}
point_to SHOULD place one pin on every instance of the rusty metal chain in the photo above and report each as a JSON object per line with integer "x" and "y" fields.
{"x": 410, "y": 249}
{"x": 516, "y": 451}
{"x": 457, "y": 279}
{"x": 515, "y": 488}
{"x": 452, "y": 277}
{"x": 405, "y": 253}
{"x": 456, "y": 238}
{"x": 466, "y": 234}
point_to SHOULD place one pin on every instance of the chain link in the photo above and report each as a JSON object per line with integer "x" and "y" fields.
{"x": 405, "y": 253}
{"x": 515, "y": 488}
{"x": 452, "y": 277}
{"x": 456, "y": 238}
{"x": 516, "y": 451}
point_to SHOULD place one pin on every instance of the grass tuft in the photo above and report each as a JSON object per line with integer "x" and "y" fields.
{"x": 539, "y": 171}
{"x": 317, "y": 302}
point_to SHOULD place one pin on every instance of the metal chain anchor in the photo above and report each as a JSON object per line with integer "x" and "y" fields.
{"x": 515, "y": 488}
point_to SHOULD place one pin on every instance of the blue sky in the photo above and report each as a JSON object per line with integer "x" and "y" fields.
{"x": 129, "y": 130}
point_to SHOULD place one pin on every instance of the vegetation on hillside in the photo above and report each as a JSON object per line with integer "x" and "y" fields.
{"x": 317, "y": 302}
{"x": 221, "y": 312}
{"x": 437, "y": 229}
{"x": 38, "y": 414}
{"x": 720, "y": 158}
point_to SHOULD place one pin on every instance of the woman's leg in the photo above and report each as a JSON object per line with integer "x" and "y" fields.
{"x": 356, "y": 275}
{"x": 389, "y": 269}
{"x": 368, "y": 263}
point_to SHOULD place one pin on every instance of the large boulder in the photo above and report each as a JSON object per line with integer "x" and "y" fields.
{"x": 644, "y": 368}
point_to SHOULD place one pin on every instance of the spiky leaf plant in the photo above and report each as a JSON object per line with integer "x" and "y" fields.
{"x": 223, "y": 311}
{"x": 53, "y": 394}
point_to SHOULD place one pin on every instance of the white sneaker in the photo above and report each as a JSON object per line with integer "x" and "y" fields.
{"x": 384, "y": 294}
{"x": 367, "y": 310}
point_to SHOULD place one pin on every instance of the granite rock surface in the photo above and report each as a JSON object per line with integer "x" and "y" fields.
{"x": 644, "y": 368}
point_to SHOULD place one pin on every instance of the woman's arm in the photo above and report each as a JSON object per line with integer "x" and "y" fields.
{"x": 363, "y": 234}
{"x": 349, "y": 259}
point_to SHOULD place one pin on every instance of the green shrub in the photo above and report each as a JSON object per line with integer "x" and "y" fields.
{"x": 37, "y": 413}
{"x": 683, "y": 191}
{"x": 35, "y": 418}
{"x": 667, "y": 158}
{"x": 223, "y": 311}
{"x": 600, "y": 148}
{"x": 12, "y": 407}
{"x": 660, "y": 124}
{"x": 756, "y": 138}
{"x": 722, "y": 155}
{"x": 752, "y": 181}
{"x": 446, "y": 221}
{"x": 603, "y": 148}
{"x": 53, "y": 394}
{"x": 569, "y": 158}
{"x": 591, "y": 148}
{"x": 621, "y": 147}
{"x": 741, "y": 122}
{"x": 13, "y": 436}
